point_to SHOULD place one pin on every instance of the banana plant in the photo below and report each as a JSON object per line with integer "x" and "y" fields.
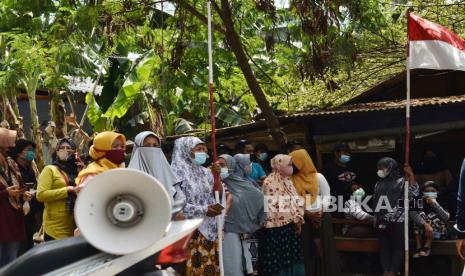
{"x": 135, "y": 84}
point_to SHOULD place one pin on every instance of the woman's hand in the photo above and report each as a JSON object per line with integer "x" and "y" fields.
{"x": 212, "y": 211}
{"x": 180, "y": 216}
{"x": 80, "y": 165}
{"x": 74, "y": 189}
{"x": 409, "y": 175}
{"x": 27, "y": 196}
{"x": 215, "y": 168}
{"x": 14, "y": 191}
{"x": 429, "y": 200}
{"x": 298, "y": 228}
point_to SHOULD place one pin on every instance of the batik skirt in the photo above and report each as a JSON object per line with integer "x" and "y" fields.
{"x": 203, "y": 259}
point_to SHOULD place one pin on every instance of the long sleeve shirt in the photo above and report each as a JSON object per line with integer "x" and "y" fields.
{"x": 52, "y": 190}
{"x": 354, "y": 210}
{"x": 396, "y": 215}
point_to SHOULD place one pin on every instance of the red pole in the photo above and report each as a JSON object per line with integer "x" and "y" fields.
{"x": 407, "y": 155}
{"x": 212, "y": 109}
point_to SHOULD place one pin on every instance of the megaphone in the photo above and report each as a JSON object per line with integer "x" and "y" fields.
{"x": 123, "y": 211}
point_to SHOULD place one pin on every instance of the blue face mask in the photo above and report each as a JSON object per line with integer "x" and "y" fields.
{"x": 263, "y": 156}
{"x": 344, "y": 158}
{"x": 30, "y": 155}
{"x": 224, "y": 173}
{"x": 430, "y": 194}
{"x": 200, "y": 158}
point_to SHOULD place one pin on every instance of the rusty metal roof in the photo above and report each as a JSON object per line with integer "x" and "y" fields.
{"x": 380, "y": 106}
{"x": 344, "y": 109}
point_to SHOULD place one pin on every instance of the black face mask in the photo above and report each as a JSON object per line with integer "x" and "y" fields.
{"x": 294, "y": 169}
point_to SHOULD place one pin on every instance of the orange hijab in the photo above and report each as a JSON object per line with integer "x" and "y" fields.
{"x": 306, "y": 180}
{"x": 102, "y": 143}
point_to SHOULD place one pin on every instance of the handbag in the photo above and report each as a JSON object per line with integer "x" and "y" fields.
{"x": 38, "y": 236}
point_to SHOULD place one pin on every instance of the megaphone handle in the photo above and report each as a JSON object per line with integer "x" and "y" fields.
{"x": 220, "y": 234}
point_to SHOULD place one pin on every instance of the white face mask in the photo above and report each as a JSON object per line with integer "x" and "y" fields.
{"x": 62, "y": 155}
{"x": 382, "y": 173}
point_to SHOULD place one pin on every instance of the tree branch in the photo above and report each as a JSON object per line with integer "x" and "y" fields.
{"x": 199, "y": 15}
{"x": 264, "y": 73}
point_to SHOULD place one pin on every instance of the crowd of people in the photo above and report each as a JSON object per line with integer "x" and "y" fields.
{"x": 276, "y": 208}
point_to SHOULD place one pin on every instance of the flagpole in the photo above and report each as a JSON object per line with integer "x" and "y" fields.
{"x": 407, "y": 154}
{"x": 212, "y": 110}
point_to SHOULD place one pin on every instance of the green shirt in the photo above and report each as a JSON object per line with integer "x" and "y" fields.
{"x": 52, "y": 190}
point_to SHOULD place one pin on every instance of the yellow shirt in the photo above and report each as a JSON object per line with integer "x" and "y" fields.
{"x": 52, "y": 191}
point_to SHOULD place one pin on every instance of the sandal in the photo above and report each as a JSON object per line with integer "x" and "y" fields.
{"x": 425, "y": 251}
{"x": 417, "y": 253}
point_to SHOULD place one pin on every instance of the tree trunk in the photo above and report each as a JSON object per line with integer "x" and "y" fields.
{"x": 14, "y": 103}
{"x": 235, "y": 45}
{"x": 8, "y": 113}
{"x": 36, "y": 137}
{"x": 58, "y": 113}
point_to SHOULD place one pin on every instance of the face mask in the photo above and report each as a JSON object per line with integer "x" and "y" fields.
{"x": 382, "y": 174}
{"x": 287, "y": 171}
{"x": 248, "y": 169}
{"x": 200, "y": 158}
{"x": 62, "y": 155}
{"x": 359, "y": 194}
{"x": 430, "y": 194}
{"x": 115, "y": 156}
{"x": 344, "y": 158}
{"x": 224, "y": 173}
{"x": 30, "y": 155}
{"x": 263, "y": 156}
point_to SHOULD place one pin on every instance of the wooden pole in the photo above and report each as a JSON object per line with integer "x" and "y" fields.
{"x": 212, "y": 110}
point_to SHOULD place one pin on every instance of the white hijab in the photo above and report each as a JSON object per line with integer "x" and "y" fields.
{"x": 153, "y": 162}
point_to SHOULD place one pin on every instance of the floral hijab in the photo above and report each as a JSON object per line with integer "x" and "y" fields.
{"x": 276, "y": 186}
{"x": 197, "y": 185}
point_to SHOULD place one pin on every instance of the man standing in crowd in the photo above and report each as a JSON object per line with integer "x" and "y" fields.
{"x": 339, "y": 174}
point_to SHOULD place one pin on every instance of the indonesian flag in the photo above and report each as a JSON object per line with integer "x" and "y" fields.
{"x": 432, "y": 46}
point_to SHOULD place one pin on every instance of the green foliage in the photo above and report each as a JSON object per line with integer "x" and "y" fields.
{"x": 309, "y": 55}
{"x": 135, "y": 83}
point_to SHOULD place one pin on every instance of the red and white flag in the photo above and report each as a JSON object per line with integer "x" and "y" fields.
{"x": 432, "y": 46}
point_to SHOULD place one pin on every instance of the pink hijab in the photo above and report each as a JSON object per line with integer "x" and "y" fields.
{"x": 276, "y": 186}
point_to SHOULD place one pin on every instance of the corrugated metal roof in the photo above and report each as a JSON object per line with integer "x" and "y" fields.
{"x": 380, "y": 106}
{"x": 345, "y": 109}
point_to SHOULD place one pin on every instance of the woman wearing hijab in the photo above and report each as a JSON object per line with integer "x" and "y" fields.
{"x": 107, "y": 151}
{"x": 317, "y": 231}
{"x": 24, "y": 154}
{"x": 390, "y": 221}
{"x": 244, "y": 167}
{"x": 148, "y": 157}
{"x": 249, "y": 241}
{"x": 189, "y": 154}
{"x": 56, "y": 188}
{"x": 245, "y": 216}
{"x": 11, "y": 214}
{"x": 280, "y": 248}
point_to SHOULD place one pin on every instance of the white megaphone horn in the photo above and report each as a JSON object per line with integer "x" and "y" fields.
{"x": 123, "y": 211}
